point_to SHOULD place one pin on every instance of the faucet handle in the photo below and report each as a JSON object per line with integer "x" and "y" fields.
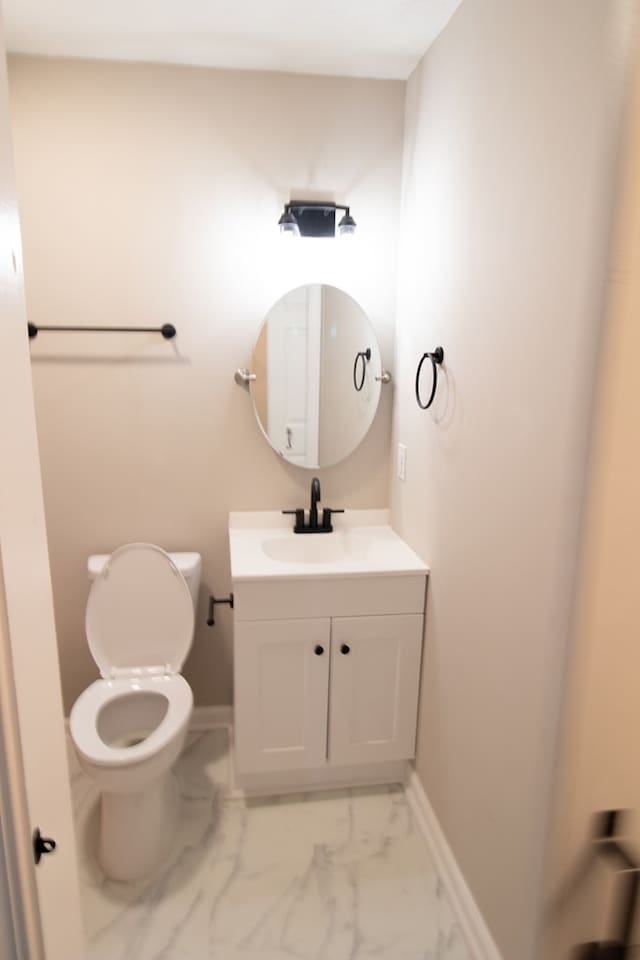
{"x": 327, "y": 513}
{"x": 299, "y": 515}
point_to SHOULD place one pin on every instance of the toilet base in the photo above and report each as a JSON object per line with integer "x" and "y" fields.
{"x": 137, "y": 830}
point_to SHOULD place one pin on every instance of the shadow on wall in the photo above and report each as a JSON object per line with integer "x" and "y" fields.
{"x": 115, "y": 347}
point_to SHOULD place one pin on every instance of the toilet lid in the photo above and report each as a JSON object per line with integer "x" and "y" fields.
{"x": 139, "y": 613}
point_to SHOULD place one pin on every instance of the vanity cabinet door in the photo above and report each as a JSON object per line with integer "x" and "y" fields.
{"x": 281, "y": 694}
{"x": 375, "y": 678}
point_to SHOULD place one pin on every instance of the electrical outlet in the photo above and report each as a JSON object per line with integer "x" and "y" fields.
{"x": 401, "y": 467}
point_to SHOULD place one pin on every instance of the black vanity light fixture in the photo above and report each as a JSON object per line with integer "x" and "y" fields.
{"x": 315, "y": 218}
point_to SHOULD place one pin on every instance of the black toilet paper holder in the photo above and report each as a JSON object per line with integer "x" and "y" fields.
{"x": 211, "y": 620}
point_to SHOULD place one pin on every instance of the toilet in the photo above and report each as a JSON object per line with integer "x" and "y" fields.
{"x": 129, "y": 727}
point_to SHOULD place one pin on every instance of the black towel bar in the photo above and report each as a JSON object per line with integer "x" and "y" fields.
{"x": 167, "y": 330}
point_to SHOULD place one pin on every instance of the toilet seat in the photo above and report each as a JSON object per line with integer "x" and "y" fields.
{"x": 83, "y": 721}
{"x": 139, "y": 618}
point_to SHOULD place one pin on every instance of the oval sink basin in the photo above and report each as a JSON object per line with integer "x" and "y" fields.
{"x": 314, "y": 548}
{"x": 264, "y": 546}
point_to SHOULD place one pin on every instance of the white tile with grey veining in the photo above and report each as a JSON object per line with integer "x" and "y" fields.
{"x": 337, "y": 875}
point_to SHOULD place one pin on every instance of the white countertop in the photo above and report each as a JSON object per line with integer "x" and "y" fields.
{"x": 264, "y": 547}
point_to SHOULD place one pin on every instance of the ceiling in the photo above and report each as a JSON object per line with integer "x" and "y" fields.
{"x": 360, "y": 38}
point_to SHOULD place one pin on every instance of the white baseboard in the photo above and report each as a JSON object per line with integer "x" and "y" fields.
{"x": 323, "y": 778}
{"x": 472, "y": 923}
{"x": 207, "y": 718}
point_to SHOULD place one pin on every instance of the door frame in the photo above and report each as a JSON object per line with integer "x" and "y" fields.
{"x": 15, "y": 849}
{"x": 34, "y": 778}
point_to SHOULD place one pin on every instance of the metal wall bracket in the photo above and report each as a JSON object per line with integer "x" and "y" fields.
{"x": 243, "y": 377}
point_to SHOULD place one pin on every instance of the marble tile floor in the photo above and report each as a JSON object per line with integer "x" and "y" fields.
{"x": 337, "y": 875}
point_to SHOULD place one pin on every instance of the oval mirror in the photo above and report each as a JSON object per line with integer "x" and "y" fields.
{"x": 317, "y": 366}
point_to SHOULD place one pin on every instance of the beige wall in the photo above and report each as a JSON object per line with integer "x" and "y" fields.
{"x": 510, "y": 145}
{"x": 150, "y": 195}
{"x": 598, "y": 768}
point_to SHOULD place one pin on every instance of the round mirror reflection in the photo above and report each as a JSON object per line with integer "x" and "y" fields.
{"x": 316, "y": 361}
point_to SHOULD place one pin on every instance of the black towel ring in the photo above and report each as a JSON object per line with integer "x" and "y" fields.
{"x": 366, "y": 356}
{"x": 436, "y": 359}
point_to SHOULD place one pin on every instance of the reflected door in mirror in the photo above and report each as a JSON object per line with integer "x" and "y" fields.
{"x": 291, "y": 341}
{"x": 310, "y": 406}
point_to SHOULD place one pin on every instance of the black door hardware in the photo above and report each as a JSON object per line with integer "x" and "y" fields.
{"x": 345, "y": 649}
{"x": 318, "y": 650}
{"x": 608, "y": 846}
{"x": 41, "y": 845}
{"x": 358, "y": 381}
{"x": 211, "y": 620}
{"x": 436, "y": 358}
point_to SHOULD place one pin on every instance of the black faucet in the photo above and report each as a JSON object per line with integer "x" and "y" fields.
{"x": 313, "y": 526}
{"x": 315, "y": 500}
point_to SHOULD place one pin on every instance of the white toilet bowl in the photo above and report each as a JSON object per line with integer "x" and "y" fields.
{"x": 129, "y": 727}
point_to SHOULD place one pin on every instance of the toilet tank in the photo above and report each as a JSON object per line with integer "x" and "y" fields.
{"x": 189, "y": 565}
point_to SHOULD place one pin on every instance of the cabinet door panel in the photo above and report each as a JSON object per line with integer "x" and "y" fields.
{"x": 281, "y": 694}
{"x": 375, "y": 678}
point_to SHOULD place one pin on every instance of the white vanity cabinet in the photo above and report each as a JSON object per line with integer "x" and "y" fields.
{"x": 327, "y": 654}
{"x": 281, "y": 672}
{"x": 318, "y": 691}
{"x": 373, "y": 689}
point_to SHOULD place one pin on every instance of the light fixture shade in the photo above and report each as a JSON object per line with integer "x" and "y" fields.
{"x": 288, "y": 225}
{"x": 347, "y": 226}
{"x": 315, "y": 218}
